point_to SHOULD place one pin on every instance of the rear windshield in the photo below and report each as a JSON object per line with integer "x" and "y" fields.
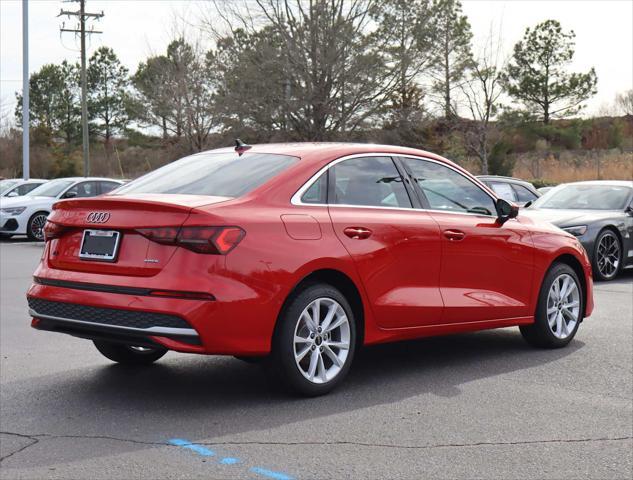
{"x": 215, "y": 174}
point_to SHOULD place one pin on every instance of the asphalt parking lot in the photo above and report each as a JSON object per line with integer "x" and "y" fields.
{"x": 481, "y": 405}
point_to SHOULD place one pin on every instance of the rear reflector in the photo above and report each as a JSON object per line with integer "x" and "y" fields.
{"x": 185, "y": 295}
{"x": 208, "y": 240}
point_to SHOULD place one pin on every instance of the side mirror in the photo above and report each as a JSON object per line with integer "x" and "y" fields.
{"x": 629, "y": 210}
{"x": 505, "y": 211}
{"x": 12, "y": 194}
{"x": 70, "y": 195}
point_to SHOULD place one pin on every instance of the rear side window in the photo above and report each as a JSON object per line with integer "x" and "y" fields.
{"x": 523, "y": 193}
{"x": 503, "y": 190}
{"x": 371, "y": 181}
{"x": 317, "y": 193}
{"x": 106, "y": 187}
{"x": 216, "y": 174}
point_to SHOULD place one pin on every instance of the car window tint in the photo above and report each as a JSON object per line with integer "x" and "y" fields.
{"x": 370, "y": 181}
{"x": 83, "y": 189}
{"x": 523, "y": 194}
{"x": 106, "y": 187}
{"x": 219, "y": 174}
{"x": 503, "y": 190}
{"x": 317, "y": 193}
{"x": 446, "y": 189}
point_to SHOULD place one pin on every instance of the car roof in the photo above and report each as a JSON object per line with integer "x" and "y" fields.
{"x": 308, "y": 149}
{"x": 29, "y": 180}
{"x": 613, "y": 183}
{"x": 501, "y": 177}
{"x": 100, "y": 179}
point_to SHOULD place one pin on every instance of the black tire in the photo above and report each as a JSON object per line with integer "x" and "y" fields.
{"x": 539, "y": 334}
{"x": 283, "y": 360}
{"x": 33, "y": 229}
{"x": 598, "y": 274}
{"x": 128, "y": 354}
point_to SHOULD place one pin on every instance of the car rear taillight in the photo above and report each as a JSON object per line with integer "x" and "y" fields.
{"x": 209, "y": 240}
{"x": 53, "y": 230}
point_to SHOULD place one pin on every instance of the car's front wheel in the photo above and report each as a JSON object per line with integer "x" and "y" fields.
{"x": 129, "y": 354}
{"x": 35, "y": 227}
{"x": 315, "y": 340}
{"x": 559, "y": 310}
{"x": 607, "y": 256}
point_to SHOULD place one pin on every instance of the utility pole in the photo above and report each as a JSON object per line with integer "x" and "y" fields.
{"x": 82, "y": 32}
{"x": 25, "y": 91}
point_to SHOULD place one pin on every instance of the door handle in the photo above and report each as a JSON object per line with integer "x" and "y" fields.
{"x": 357, "y": 233}
{"x": 454, "y": 235}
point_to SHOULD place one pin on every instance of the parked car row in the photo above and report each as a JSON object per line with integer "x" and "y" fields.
{"x": 25, "y": 204}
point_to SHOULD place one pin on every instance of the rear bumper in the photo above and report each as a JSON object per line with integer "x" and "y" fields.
{"x": 242, "y": 325}
{"x": 125, "y": 326}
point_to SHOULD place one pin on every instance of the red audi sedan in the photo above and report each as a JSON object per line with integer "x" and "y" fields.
{"x": 300, "y": 254}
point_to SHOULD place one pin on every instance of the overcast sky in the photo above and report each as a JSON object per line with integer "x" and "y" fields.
{"x": 138, "y": 28}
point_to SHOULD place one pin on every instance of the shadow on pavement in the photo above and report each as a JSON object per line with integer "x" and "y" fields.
{"x": 209, "y": 397}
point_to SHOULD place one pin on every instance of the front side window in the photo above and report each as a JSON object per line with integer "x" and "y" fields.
{"x": 217, "y": 174}
{"x": 370, "y": 181}
{"x": 445, "y": 189}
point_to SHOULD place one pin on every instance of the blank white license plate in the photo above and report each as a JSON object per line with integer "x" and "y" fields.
{"x": 100, "y": 245}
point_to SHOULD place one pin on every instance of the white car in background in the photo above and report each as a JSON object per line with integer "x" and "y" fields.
{"x": 16, "y": 187}
{"x": 26, "y": 215}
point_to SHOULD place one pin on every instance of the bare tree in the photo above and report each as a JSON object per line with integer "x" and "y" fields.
{"x": 333, "y": 76}
{"x": 482, "y": 92}
{"x": 624, "y": 101}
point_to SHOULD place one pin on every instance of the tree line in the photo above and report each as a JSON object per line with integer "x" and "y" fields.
{"x": 321, "y": 70}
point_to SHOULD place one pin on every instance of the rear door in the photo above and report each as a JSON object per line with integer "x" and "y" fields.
{"x": 487, "y": 268}
{"x": 395, "y": 248}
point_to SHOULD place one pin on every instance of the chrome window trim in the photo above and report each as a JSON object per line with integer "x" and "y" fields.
{"x": 296, "y": 198}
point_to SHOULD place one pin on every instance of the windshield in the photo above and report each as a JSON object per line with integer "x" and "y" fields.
{"x": 50, "y": 189}
{"x": 6, "y": 185}
{"x": 585, "y": 197}
{"x": 216, "y": 174}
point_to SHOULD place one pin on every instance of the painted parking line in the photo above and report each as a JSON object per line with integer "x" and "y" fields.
{"x": 205, "y": 452}
{"x": 270, "y": 474}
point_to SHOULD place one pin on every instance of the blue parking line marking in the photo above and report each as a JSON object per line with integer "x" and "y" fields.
{"x": 199, "y": 449}
{"x": 179, "y": 442}
{"x": 271, "y": 474}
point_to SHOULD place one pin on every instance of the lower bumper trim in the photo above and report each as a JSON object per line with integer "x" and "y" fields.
{"x": 114, "y": 332}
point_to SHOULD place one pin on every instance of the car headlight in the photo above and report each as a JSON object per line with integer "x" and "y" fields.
{"x": 577, "y": 231}
{"x": 13, "y": 211}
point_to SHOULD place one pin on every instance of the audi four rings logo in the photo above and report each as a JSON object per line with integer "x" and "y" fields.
{"x": 98, "y": 217}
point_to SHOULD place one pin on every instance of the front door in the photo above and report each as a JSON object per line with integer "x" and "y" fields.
{"x": 487, "y": 267}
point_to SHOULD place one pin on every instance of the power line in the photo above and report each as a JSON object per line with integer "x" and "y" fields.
{"x": 80, "y": 29}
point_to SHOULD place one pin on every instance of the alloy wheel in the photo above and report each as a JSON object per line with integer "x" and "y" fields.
{"x": 608, "y": 255}
{"x": 322, "y": 340}
{"x": 563, "y": 306}
{"x": 37, "y": 226}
